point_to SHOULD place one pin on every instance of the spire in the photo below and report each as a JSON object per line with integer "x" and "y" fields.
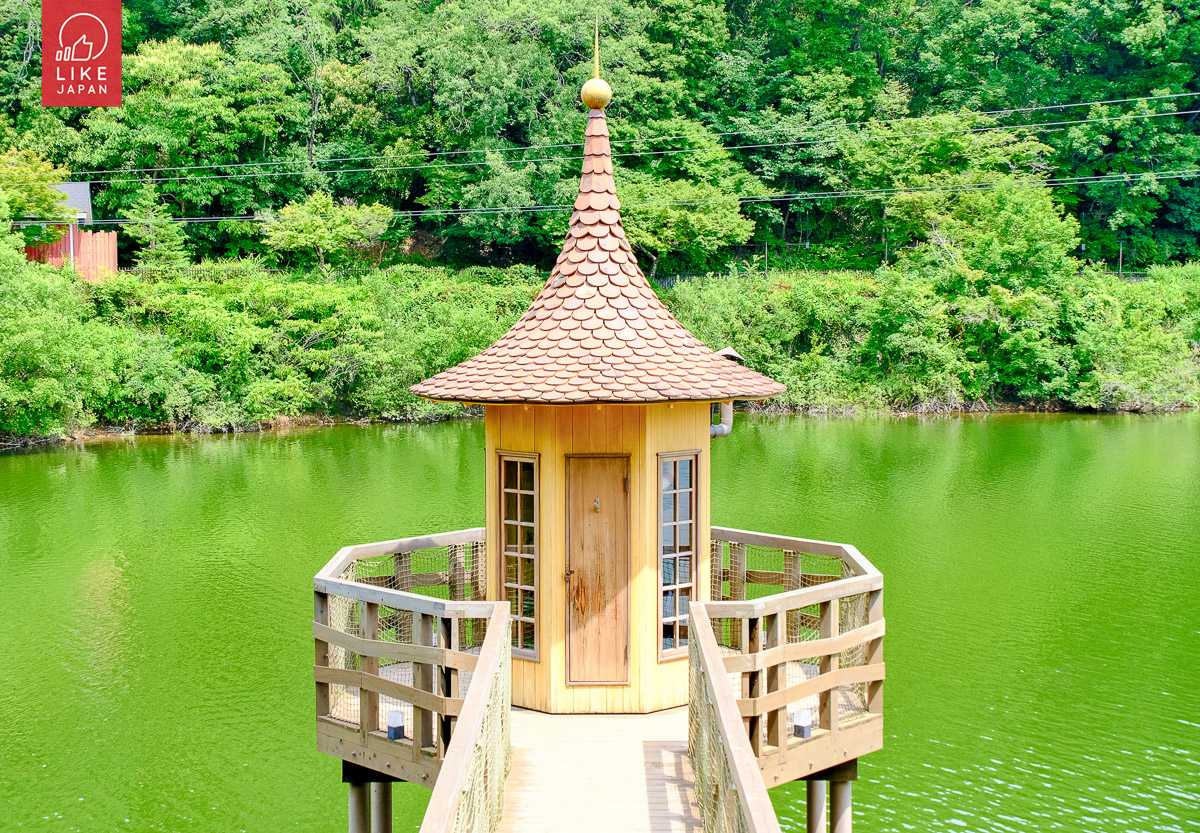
{"x": 596, "y": 93}
{"x": 597, "y": 332}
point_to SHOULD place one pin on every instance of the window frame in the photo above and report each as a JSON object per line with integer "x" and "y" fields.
{"x": 502, "y": 573}
{"x": 676, "y": 653}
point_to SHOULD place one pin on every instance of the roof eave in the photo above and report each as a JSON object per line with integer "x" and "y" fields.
{"x": 739, "y": 397}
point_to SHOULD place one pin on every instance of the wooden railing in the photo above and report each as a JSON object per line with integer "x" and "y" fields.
{"x": 438, "y": 668}
{"x": 794, "y": 637}
{"x": 469, "y": 794}
{"x": 729, "y": 787}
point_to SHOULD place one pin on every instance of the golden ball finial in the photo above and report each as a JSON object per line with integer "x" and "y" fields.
{"x": 596, "y": 94}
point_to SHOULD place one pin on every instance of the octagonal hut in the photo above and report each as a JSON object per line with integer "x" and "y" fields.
{"x": 598, "y": 410}
{"x": 597, "y": 586}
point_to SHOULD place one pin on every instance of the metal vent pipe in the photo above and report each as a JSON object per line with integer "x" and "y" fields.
{"x": 725, "y": 427}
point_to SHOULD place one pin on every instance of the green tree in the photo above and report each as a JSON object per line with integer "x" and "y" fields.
{"x": 186, "y": 107}
{"x": 1011, "y": 53}
{"x": 36, "y": 209}
{"x": 325, "y": 230}
{"x": 690, "y": 222}
{"x": 163, "y": 243}
{"x": 914, "y": 173}
{"x": 53, "y": 357}
{"x": 297, "y": 35}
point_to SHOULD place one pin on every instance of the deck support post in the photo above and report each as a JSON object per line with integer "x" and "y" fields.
{"x": 840, "y": 806}
{"x": 360, "y": 807}
{"x": 815, "y": 811}
{"x": 381, "y": 807}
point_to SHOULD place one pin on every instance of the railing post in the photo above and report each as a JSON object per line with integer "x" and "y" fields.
{"x": 752, "y": 685}
{"x": 321, "y": 617}
{"x": 737, "y": 572}
{"x": 815, "y": 810}
{"x": 830, "y": 613}
{"x": 447, "y": 682}
{"x": 473, "y": 572}
{"x": 737, "y": 588}
{"x": 458, "y": 579}
{"x": 777, "y": 726}
{"x": 422, "y": 679}
{"x": 716, "y": 588}
{"x": 402, "y": 575}
{"x": 368, "y": 701}
{"x": 875, "y": 652}
{"x": 793, "y": 573}
{"x": 475, "y": 554}
{"x": 716, "y": 571}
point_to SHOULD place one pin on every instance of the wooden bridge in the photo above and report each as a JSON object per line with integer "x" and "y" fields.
{"x": 413, "y": 679}
{"x": 627, "y": 772}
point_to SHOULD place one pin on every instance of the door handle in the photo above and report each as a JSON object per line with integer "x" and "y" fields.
{"x": 567, "y": 575}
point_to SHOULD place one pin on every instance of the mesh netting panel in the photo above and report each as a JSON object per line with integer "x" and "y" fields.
{"x": 483, "y": 794}
{"x": 853, "y": 612}
{"x": 344, "y": 617}
{"x": 747, "y": 571}
{"x": 417, "y": 572}
{"x": 457, "y": 572}
{"x": 715, "y": 793}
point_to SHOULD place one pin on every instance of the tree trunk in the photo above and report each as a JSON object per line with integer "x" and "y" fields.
{"x": 653, "y": 265}
{"x": 412, "y": 99}
{"x": 315, "y": 100}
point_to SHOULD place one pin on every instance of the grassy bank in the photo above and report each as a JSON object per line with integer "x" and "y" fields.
{"x": 231, "y": 345}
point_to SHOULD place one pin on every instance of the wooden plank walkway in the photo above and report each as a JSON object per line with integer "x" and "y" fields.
{"x": 600, "y": 773}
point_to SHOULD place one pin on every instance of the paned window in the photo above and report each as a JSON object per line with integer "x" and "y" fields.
{"x": 676, "y": 548}
{"x": 518, "y": 508}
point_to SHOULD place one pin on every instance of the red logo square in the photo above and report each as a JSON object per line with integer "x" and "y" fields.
{"x": 81, "y": 53}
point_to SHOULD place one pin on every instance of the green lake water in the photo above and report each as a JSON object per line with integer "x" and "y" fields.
{"x": 1042, "y": 580}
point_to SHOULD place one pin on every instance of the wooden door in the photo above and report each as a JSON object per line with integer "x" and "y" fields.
{"x": 597, "y": 570}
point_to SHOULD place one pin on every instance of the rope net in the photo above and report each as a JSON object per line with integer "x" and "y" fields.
{"x": 745, "y": 571}
{"x": 454, "y": 572}
{"x": 457, "y": 572}
{"x": 715, "y": 792}
{"x": 482, "y": 800}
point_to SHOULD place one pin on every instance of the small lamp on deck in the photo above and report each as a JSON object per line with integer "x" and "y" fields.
{"x": 801, "y": 721}
{"x": 395, "y": 724}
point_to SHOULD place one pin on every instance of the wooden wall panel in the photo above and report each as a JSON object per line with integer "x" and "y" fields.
{"x": 641, "y": 432}
{"x": 95, "y": 253}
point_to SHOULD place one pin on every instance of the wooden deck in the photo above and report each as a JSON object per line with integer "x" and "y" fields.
{"x": 614, "y": 773}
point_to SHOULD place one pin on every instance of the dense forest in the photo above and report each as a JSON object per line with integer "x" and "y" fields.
{"x": 912, "y": 204}
{"x": 877, "y": 115}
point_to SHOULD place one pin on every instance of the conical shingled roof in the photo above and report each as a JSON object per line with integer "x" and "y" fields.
{"x": 597, "y": 332}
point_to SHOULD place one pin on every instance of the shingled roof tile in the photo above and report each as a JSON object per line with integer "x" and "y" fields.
{"x": 597, "y": 332}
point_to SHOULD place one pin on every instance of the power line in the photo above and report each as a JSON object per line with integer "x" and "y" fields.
{"x": 1057, "y": 125}
{"x": 802, "y": 196}
{"x": 753, "y": 131}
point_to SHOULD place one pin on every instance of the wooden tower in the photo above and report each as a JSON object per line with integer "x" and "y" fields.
{"x": 598, "y": 406}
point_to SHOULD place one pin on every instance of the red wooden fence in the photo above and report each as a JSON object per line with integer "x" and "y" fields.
{"x": 95, "y": 253}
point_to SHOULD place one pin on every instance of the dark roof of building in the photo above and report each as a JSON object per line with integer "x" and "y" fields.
{"x": 79, "y": 200}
